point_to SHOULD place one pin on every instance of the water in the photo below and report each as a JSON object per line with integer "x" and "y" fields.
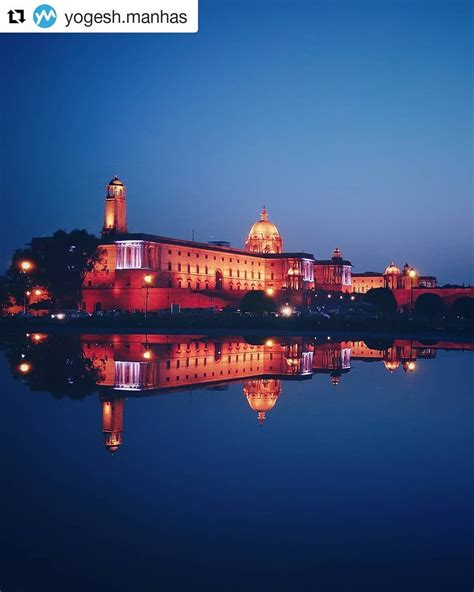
{"x": 356, "y": 478}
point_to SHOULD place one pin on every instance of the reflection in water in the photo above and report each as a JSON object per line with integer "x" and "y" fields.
{"x": 132, "y": 365}
{"x": 262, "y": 394}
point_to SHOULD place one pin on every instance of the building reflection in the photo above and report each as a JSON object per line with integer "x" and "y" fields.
{"x": 262, "y": 394}
{"x": 136, "y": 365}
{"x": 112, "y": 423}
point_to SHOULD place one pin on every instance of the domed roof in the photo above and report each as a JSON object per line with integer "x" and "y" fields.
{"x": 392, "y": 269}
{"x": 264, "y": 236}
{"x": 116, "y": 181}
{"x": 262, "y": 394}
{"x": 113, "y": 448}
{"x": 391, "y": 365}
{"x": 264, "y": 228}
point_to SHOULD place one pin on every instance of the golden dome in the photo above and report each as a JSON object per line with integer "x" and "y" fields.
{"x": 116, "y": 181}
{"x": 392, "y": 269}
{"x": 391, "y": 365}
{"x": 264, "y": 236}
{"x": 262, "y": 395}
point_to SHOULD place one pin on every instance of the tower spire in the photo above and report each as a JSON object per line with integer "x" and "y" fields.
{"x": 115, "y": 221}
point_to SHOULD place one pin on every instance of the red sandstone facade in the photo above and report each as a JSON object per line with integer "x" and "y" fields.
{"x": 141, "y": 272}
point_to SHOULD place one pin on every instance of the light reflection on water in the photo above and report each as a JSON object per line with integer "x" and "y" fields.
{"x": 269, "y": 459}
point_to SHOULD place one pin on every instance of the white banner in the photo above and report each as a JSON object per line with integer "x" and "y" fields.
{"x": 99, "y": 16}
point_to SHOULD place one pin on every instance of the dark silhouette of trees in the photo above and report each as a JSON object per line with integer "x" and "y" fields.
{"x": 57, "y": 364}
{"x": 257, "y": 302}
{"x": 429, "y": 306}
{"x": 383, "y": 300}
{"x": 60, "y": 263}
{"x": 464, "y": 308}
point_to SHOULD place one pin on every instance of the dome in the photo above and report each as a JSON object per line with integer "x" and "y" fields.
{"x": 262, "y": 395}
{"x": 116, "y": 181}
{"x": 391, "y": 365}
{"x": 392, "y": 269}
{"x": 264, "y": 236}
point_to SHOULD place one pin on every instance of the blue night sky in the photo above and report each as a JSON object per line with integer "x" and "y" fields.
{"x": 352, "y": 122}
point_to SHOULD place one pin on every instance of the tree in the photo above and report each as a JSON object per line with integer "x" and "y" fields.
{"x": 57, "y": 364}
{"x": 257, "y": 302}
{"x": 464, "y": 307}
{"x": 429, "y": 306}
{"x": 383, "y": 299}
{"x": 59, "y": 263}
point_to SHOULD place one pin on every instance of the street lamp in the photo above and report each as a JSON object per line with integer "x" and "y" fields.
{"x": 148, "y": 279}
{"x": 25, "y": 267}
{"x": 412, "y": 276}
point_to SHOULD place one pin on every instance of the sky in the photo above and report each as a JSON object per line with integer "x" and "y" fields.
{"x": 351, "y": 122}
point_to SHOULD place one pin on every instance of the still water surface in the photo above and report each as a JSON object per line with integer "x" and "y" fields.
{"x": 138, "y": 462}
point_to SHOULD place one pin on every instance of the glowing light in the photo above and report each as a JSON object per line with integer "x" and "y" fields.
{"x": 411, "y": 366}
{"x": 24, "y": 367}
{"x": 329, "y": 296}
{"x": 286, "y": 311}
{"x": 26, "y": 265}
{"x": 352, "y": 297}
{"x": 38, "y": 292}
{"x": 148, "y": 279}
{"x": 270, "y": 291}
{"x": 37, "y": 337}
{"x": 269, "y": 343}
{"x": 147, "y": 354}
{"x": 412, "y": 273}
{"x": 340, "y": 297}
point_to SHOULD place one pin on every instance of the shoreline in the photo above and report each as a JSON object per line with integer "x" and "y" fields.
{"x": 295, "y": 328}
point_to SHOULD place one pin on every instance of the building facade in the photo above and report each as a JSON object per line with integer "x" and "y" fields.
{"x": 140, "y": 272}
{"x": 144, "y": 272}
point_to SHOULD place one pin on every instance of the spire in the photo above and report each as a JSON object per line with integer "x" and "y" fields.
{"x": 264, "y": 215}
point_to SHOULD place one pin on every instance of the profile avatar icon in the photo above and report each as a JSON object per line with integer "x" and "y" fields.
{"x": 44, "y": 16}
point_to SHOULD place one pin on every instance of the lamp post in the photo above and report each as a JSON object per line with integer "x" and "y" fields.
{"x": 25, "y": 267}
{"x": 412, "y": 276}
{"x": 148, "y": 279}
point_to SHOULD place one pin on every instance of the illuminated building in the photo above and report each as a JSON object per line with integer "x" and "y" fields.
{"x": 194, "y": 274}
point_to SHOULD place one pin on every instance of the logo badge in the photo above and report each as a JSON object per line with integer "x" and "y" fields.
{"x": 44, "y": 16}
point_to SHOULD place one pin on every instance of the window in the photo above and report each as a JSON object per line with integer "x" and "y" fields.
{"x": 179, "y": 252}
{"x": 197, "y": 268}
{"x": 169, "y": 265}
{"x": 179, "y": 266}
{"x": 230, "y": 272}
{"x": 169, "y": 252}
